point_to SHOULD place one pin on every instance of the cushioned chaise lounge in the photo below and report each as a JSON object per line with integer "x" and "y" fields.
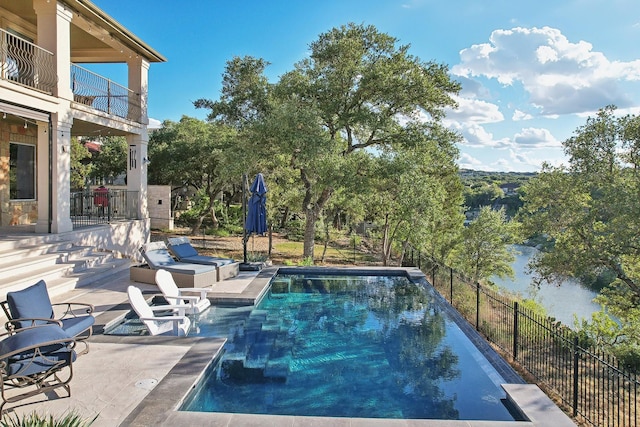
{"x": 186, "y": 275}
{"x": 182, "y": 249}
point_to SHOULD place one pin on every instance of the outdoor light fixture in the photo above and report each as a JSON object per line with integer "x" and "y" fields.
{"x": 25, "y": 124}
{"x": 146, "y": 161}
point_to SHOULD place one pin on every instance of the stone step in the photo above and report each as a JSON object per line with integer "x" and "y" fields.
{"x": 53, "y": 275}
{"x": 27, "y": 265}
{"x": 16, "y": 254}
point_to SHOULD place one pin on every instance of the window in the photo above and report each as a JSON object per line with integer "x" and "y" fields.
{"x": 22, "y": 171}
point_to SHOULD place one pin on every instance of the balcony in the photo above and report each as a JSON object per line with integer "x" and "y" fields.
{"x": 104, "y": 95}
{"x": 26, "y": 64}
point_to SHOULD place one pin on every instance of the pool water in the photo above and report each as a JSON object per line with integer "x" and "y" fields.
{"x": 367, "y": 346}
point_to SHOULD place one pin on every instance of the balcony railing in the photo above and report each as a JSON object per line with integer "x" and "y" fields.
{"x": 94, "y": 207}
{"x": 103, "y": 94}
{"x": 25, "y": 63}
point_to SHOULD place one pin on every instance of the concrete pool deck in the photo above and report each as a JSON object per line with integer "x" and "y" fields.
{"x": 140, "y": 380}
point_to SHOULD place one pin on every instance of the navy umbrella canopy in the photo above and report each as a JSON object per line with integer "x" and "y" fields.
{"x": 257, "y": 207}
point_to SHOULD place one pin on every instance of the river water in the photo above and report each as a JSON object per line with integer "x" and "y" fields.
{"x": 561, "y": 302}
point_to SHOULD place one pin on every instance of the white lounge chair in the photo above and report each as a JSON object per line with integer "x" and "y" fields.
{"x": 175, "y": 324}
{"x": 174, "y": 295}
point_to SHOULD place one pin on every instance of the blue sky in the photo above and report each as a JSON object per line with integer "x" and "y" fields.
{"x": 531, "y": 71}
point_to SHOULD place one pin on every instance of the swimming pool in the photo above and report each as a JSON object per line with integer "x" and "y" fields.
{"x": 347, "y": 346}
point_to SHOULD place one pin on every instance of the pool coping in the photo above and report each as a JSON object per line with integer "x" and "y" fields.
{"x": 161, "y": 404}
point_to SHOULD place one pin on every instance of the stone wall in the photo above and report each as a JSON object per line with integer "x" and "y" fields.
{"x": 16, "y": 212}
{"x": 159, "y": 205}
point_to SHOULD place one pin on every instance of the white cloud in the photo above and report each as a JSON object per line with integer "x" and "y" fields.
{"x": 521, "y": 115}
{"x": 154, "y": 124}
{"x": 560, "y": 76}
{"x": 475, "y": 111}
{"x": 536, "y": 138}
{"x": 467, "y": 161}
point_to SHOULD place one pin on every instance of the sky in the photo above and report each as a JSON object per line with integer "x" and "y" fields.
{"x": 532, "y": 72}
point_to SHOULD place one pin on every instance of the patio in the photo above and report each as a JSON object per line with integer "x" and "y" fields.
{"x": 138, "y": 381}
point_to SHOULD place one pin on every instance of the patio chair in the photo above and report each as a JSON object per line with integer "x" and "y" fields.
{"x": 185, "y": 274}
{"x": 174, "y": 295}
{"x": 32, "y": 306}
{"x": 35, "y": 359}
{"x": 174, "y": 324}
{"x": 182, "y": 249}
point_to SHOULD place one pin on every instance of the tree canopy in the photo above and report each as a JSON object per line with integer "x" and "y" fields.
{"x": 357, "y": 91}
{"x": 589, "y": 214}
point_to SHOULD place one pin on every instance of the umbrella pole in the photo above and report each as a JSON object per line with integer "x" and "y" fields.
{"x": 244, "y": 216}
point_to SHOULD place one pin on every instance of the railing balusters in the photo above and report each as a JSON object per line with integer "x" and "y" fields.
{"x": 104, "y": 95}
{"x": 594, "y": 385}
{"x": 88, "y": 208}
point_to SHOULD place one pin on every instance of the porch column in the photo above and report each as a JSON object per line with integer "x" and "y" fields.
{"x": 138, "y": 159}
{"x": 42, "y": 174}
{"x": 54, "y": 33}
{"x": 139, "y": 85}
{"x": 61, "y": 177}
{"x": 137, "y": 171}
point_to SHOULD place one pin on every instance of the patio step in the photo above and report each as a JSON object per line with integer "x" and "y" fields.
{"x": 10, "y": 254}
{"x": 61, "y": 264}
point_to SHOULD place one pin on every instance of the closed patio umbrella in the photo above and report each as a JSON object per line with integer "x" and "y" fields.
{"x": 256, "y": 219}
{"x": 257, "y": 207}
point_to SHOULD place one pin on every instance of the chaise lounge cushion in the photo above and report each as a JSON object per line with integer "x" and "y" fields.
{"x": 157, "y": 256}
{"x": 53, "y": 351}
{"x": 185, "y": 252}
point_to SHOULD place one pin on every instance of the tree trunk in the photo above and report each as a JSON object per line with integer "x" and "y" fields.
{"x": 285, "y": 215}
{"x": 312, "y": 211}
{"x": 386, "y": 243}
{"x": 309, "y": 234}
{"x": 197, "y": 225}
{"x": 326, "y": 242}
{"x": 214, "y": 218}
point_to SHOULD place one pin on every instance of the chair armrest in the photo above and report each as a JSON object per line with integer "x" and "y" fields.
{"x": 195, "y": 290}
{"x": 184, "y": 297}
{"x": 72, "y": 307}
{"x": 164, "y": 319}
{"x": 168, "y": 307}
{"x": 14, "y": 324}
{"x": 201, "y": 291}
{"x": 180, "y": 307}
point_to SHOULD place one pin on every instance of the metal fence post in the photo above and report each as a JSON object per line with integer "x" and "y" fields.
{"x": 451, "y": 285}
{"x": 515, "y": 330}
{"x": 477, "y": 306}
{"x": 575, "y": 375}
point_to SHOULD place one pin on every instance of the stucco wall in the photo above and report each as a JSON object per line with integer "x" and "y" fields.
{"x": 124, "y": 238}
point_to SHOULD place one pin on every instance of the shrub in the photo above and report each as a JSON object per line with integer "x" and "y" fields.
{"x": 33, "y": 419}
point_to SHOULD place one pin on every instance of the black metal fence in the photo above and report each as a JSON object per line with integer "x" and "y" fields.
{"x": 103, "y": 207}
{"x": 593, "y": 386}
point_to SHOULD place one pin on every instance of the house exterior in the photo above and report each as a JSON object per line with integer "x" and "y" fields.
{"x": 48, "y": 95}
{"x": 510, "y": 188}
